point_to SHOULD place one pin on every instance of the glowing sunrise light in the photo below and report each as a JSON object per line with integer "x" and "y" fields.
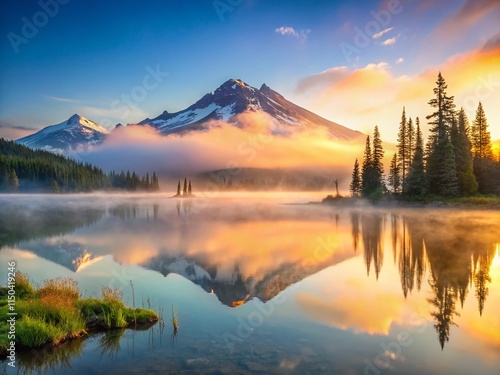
{"x": 496, "y": 259}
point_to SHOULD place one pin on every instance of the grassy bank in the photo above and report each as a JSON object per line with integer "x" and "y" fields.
{"x": 55, "y": 312}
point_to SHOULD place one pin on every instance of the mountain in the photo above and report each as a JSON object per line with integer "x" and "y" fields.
{"x": 232, "y": 98}
{"x": 75, "y": 134}
{"x": 235, "y": 97}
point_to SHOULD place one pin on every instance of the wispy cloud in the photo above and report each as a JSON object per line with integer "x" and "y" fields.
{"x": 378, "y": 35}
{"x": 65, "y": 100}
{"x": 400, "y": 60}
{"x": 290, "y": 31}
{"x": 325, "y": 78}
{"x": 468, "y": 15}
{"x": 389, "y": 42}
{"x": 11, "y": 131}
{"x": 493, "y": 43}
{"x": 6, "y": 125}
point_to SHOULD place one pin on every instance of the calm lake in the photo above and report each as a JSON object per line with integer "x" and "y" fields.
{"x": 261, "y": 286}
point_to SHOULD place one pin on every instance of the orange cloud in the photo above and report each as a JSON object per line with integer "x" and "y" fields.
{"x": 373, "y": 95}
{"x": 259, "y": 142}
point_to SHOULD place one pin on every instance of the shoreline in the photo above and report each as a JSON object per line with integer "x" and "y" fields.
{"x": 474, "y": 203}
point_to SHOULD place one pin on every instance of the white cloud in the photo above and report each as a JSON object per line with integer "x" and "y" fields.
{"x": 400, "y": 60}
{"x": 378, "y": 35}
{"x": 287, "y": 30}
{"x": 389, "y": 42}
{"x": 290, "y": 31}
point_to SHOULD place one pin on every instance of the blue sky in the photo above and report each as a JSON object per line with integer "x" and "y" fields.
{"x": 88, "y": 55}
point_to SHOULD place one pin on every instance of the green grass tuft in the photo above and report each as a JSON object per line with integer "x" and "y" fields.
{"x": 33, "y": 332}
{"x": 55, "y": 312}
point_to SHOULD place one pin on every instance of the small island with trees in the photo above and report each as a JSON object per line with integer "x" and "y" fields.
{"x": 457, "y": 164}
{"x": 186, "y": 190}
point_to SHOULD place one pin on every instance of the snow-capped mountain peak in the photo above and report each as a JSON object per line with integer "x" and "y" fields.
{"x": 76, "y": 133}
{"x": 234, "y": 97}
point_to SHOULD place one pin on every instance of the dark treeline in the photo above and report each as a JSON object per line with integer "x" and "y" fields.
{"x": 25, "y": 170}
{"x": 457, "y": 159}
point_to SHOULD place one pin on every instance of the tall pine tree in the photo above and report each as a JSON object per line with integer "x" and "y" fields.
{"x": 410, "y": 134}
{"x": 372, "y": 184}
{"x": 403, "y": 147}
{"x": 481, "y": 139}
{"x": 467, "y": 184}
{"x": 378, "y": 155}
{"x": 416, "y": 184}
{"x": 439, "y": 163}
{"x": 484, "y": 166}
{"x": 367, "y": 169}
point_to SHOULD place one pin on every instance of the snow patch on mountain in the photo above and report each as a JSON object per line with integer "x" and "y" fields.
{"x": 76, "y": 133}
{"x": 235, "y": 97}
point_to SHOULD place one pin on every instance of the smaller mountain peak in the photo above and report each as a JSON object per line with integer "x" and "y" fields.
{"x": 74, "y": 118}
{"x": 119, "y": 125}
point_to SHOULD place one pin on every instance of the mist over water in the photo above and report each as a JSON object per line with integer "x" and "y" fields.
{"x": 257, "y": 141}
{"x": 257, "y": 281}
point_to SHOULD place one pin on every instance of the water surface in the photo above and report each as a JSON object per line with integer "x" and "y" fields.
{"x": 265, "y": 287}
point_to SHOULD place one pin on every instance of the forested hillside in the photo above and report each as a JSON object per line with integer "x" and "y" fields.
{"x": 25, "y": 170}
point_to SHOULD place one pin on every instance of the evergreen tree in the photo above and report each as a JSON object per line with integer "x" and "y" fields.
{"x": 367, "y": 169}
{"x": 189, "y": 188}
{"x": 155, "y": 183}
{"x": 484, "y": 166}
{"x": 184, "y": 190}
{"x": 394, "y": 175}
{"x": 178, "y": 188}
{"x": 373, "y": 169}
{"x": 403, "y": 147}
{"x": 355, "y": 187}
{"x": 448, "y": 184}
{"x": 438, "y": 163}
{"x": 416, "y": 184}
{"x": 411, "y": 141}
{"x": 378, "y": 155}
{"x": 481, "y": 140}
{"x": 467, "y": 184}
